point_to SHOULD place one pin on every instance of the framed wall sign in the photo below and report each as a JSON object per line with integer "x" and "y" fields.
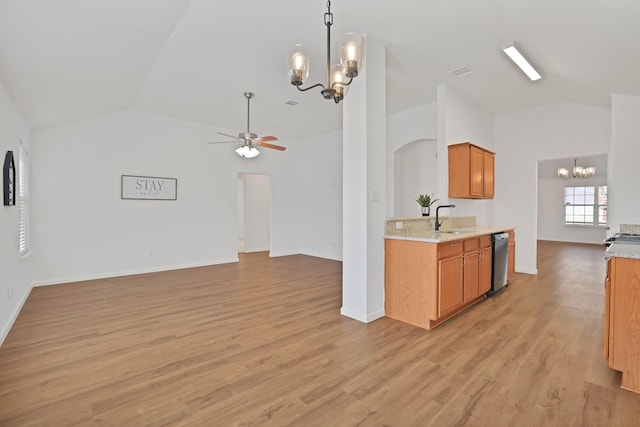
{"x": 148, "y": 188}
{"x": 9, "y": 180}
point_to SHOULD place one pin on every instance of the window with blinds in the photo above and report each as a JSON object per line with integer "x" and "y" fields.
{"x": 23, "y": 200}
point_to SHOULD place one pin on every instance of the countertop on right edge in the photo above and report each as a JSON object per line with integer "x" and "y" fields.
{"x": 623, "y": 250}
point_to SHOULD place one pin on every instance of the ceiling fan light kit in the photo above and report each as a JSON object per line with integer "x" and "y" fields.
{"x": 247, "y": 152}
{"x": 249, "y": 140}
{"x": 339, "y": 76}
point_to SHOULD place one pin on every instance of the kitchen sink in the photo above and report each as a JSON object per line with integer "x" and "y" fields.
{"x": 457, "y": 231}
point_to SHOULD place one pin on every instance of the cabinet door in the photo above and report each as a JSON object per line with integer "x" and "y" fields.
{"x": 449, "y": 284}
{"x": 484, "y": 279}
{"x": 624, "y": 348}
{"x": 488, "y": 172}
{"x": 511, "y": 261}
{"x": 476, "y": 188}
{"x": 607, "y": 312}
{"x": 470, "y": 278}
{"x": 459, "y": 170}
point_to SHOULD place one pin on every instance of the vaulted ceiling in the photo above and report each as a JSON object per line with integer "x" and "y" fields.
{"x": 69, "y": 60}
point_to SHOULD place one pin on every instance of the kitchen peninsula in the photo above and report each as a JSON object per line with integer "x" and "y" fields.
{"x": 430, "y": 276}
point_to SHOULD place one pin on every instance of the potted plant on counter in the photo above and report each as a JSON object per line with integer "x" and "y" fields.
{"x": 425, "y": 201}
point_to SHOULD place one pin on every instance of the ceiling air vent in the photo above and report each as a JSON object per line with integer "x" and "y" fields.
{"x": 292, "y": 103}
{"x": 461, "y": 71}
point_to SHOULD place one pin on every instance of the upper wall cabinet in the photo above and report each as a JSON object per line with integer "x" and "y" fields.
{"x": 471, "y": 171}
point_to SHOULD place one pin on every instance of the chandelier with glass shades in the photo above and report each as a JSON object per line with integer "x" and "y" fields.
{"x": 339, "y": 76}
{"x": 578, "y": 171}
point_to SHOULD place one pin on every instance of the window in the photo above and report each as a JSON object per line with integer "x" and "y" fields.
{"x": 23, "y": 200}
{"x": 585, "y": 205}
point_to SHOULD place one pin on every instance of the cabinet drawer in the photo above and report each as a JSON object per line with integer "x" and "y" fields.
{"x": 446, "y": 250}
{"x": 470, "y": 244}
{"x": 485, "y": 241}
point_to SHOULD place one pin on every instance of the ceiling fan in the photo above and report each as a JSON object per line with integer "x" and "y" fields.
{"x": 250, "y": 140}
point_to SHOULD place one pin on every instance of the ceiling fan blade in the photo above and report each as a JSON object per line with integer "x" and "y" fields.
{"x": 230, "y": 136}
{"x": 222, "y": 142}
{"x": 266, "y": 138}
{"x": 266, "y": 145}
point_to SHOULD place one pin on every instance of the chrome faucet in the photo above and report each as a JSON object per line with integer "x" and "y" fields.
{"x": 438, "y": 224}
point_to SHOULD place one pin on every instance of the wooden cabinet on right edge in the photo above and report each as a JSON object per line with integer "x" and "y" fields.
{"x": 471, "y": 171}
{"x": 511, "y": 260}
{"x": 622, "y": 320}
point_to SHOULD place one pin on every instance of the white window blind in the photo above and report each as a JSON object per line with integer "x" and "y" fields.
{"x": 23, "y": 200}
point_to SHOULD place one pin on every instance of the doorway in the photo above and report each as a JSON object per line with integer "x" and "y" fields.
{"x": 253, "y": 221}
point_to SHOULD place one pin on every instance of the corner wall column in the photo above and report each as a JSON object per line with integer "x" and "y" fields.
{"x": 364, "y": 189}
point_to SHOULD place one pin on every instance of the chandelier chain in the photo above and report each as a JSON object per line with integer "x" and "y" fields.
{"x": 328, "y": 17}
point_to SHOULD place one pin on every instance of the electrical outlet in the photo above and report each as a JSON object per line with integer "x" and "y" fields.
{"x": 398, "y": 225}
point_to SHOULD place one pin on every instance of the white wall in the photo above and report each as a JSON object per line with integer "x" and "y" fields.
{"x": 460, "y": 120}
{"x": 321, "y": 179}
{"x": 403, "y": 128}
{"x": 240, "y": 210}
{"x": 321, "y": 196}
{"x": 84, "y": 230}
{"x": 624, "y": 173}
{"x": 257, "y": 211}
{"x": 15, "y": 272}
{"x": 522, "y": 139}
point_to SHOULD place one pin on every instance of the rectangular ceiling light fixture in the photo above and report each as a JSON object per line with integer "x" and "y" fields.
{"x": 516, "y": 56}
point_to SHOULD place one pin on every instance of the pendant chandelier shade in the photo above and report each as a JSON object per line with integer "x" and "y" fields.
{"x": 340, "y": 75}
{"x": 578, "y": 171}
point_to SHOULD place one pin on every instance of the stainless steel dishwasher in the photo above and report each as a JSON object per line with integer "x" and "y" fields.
{"x": 500, "y": 252}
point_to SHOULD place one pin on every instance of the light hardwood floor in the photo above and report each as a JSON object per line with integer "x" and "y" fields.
{"x": 262, "y": 342}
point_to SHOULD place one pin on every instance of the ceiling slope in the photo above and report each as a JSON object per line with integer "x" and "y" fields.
{"x": 66, "y": 60}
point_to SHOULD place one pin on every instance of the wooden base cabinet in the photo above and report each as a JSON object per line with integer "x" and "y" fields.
{"x": 622, "y": 320}
{"x": 428, "y": 283}
{"x": 511, "y": 260}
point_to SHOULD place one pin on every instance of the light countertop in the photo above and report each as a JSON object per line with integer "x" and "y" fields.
{"x": 623, "y": 250}
{"x": 444, "y": 236}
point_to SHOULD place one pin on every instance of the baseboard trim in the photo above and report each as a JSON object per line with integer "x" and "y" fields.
{"x": 273, "y": 254}
{"x": 83, "y": 278}
{"x": 252, "y": 250}
{"x": 324, "y": 256}
{"x": 362, "y": 317}
{"x": 527, "y": 271}
{"x": 14, "y": 316}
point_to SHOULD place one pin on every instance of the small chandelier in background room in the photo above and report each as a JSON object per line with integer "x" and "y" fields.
{"x": 339, "y": 76}
{"x": 578, "y": 171}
